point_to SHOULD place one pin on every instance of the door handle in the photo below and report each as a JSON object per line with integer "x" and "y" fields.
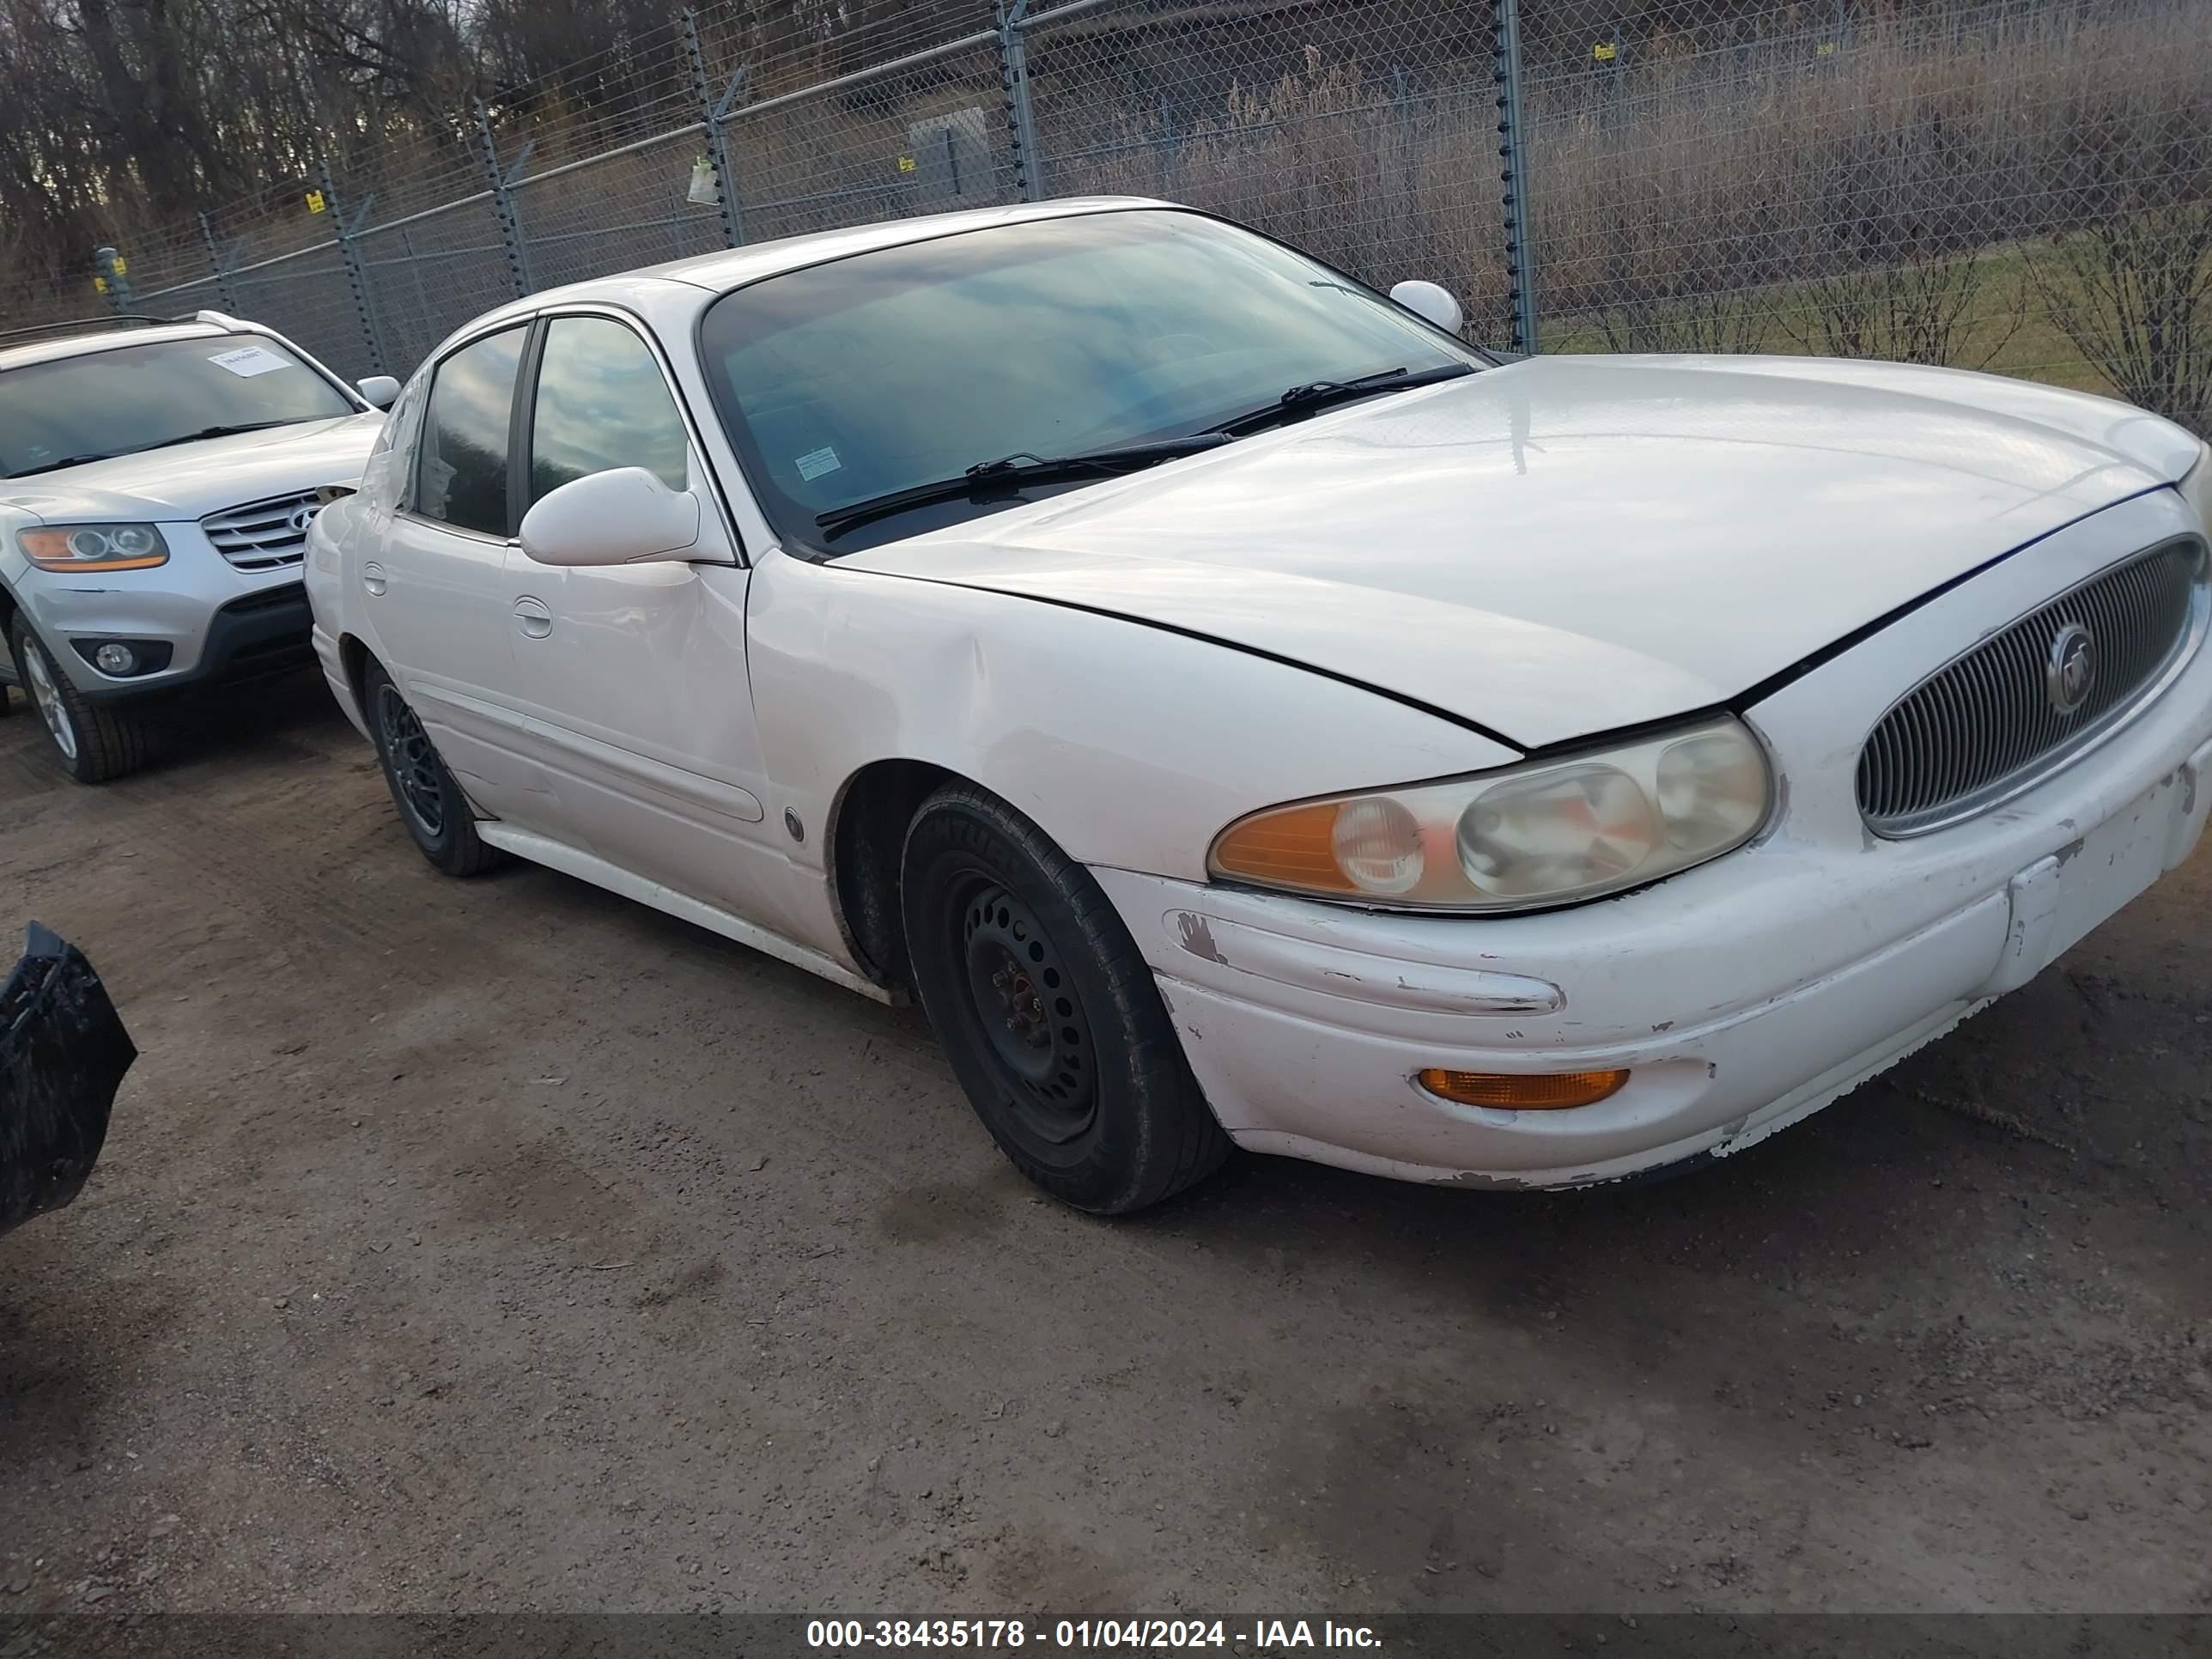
{"x": 372, "y": 578}
{"x": 536, "y": 619}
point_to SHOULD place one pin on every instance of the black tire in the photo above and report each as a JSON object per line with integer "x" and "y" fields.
{"x": 1047, "y": 1010}
{"x": 430, "y": 803}
{"x": 93, "y": 742}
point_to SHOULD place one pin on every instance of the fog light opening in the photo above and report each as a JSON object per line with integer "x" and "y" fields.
{"x": 1520, "y": 1093}
{"x": 125, "y": 659}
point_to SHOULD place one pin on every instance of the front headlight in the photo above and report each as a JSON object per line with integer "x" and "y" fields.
{"x": 93, "y": 546}
{"x": 1545, "y": 834}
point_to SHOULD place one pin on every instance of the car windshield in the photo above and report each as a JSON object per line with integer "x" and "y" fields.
{"x": 125, "y": 398}
{"x": 897, "y": 368}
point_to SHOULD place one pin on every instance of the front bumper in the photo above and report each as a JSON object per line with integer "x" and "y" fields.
{"x": 1740, "y": 996}
{"x": 219, "y": 623}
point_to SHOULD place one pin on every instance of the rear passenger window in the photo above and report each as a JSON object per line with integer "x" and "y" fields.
{"x": 463, "y": 480}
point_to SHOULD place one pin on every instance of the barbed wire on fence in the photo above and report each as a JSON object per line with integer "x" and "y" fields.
{"x": 2019, "y": 184}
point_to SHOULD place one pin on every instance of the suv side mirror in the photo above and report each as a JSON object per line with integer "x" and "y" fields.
{"x": 625, "y": 516}
{"x": 1431, "y": 302}
{"x": 381, "y": 391}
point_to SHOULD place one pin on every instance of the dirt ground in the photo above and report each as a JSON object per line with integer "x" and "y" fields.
{"x": 505, "y": 1245}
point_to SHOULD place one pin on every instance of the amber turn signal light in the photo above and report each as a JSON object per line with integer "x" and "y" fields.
{"x": 1552, "y": 1093}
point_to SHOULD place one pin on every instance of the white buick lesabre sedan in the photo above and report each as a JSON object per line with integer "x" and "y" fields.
{"x": 1240, "y": 712}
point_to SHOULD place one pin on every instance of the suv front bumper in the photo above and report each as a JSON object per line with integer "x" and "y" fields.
{"x": 219, "y": 623}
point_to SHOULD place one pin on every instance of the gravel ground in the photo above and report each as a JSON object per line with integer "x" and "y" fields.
{"x": 504, "y": 1245}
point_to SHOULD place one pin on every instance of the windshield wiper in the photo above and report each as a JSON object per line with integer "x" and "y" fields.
{"x": 209, "y": 432}
{"x": 55, "y": 466}
{"x": 1011, "y": 471}
{"x": 1318, "y": 395}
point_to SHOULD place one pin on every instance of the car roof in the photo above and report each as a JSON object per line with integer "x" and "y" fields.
{"x": 718, "y": 273}
{"x": 79, "y": 345}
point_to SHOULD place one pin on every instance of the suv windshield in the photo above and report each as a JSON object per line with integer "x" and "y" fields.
{"x": 904, "y": 368}
{"x": 125, "y": 398}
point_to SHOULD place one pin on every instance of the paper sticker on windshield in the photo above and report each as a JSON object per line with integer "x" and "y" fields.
{"x": 247, "y": 361}
{"x": 814, "y": 465}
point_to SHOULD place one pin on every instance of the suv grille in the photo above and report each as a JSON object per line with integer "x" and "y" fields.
{"x": 263, "y": 535}
{"x": 1993, "y": 722}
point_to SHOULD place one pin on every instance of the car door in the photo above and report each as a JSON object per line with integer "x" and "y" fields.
{"x": 632, "y": 679}
{"x": 434, "y": 590}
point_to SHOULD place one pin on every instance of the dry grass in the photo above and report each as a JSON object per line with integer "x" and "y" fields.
{"x": 1933, "y": 189}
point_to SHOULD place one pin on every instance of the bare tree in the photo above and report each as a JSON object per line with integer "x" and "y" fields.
{"x": 2134, "y": 294}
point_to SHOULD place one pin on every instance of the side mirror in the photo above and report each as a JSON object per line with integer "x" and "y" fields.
{"x": 1431, "y": 303}
{"x": 381, "y": 390}
{"x": 625, "y": 516}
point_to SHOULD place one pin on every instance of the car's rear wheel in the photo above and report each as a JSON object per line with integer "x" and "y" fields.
{"x": 431, "y": 805}
{"x": 95, "y": 743}
{"x": 1047, "y": 1010}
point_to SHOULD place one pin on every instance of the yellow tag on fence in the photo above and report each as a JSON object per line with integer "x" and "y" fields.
{"x": 906, "y": 164}
{"x": 315, "y": 204}
{"x": 1826, "y": 49}
{"x": 1605, "y": 52}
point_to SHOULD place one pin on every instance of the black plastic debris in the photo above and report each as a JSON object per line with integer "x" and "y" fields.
{"x": 63, "y": 1054}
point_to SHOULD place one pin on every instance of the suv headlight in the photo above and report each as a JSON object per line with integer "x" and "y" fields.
{"x": 1528, "y": 836}
{"x": 93, "y": 546}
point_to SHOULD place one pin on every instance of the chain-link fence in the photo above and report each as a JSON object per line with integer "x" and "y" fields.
{"x": 2018, "y": 184}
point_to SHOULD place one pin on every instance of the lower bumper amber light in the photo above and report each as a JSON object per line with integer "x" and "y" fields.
{"x": 1550, "y": 1093}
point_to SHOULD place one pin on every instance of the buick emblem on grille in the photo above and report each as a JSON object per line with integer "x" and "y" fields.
{"x": 302, "y": 516}
{"x": 2071, "y": 671}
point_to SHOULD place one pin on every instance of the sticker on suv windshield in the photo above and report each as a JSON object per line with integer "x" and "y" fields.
{"x": 247, "y": 361}
{"x": 814, "y": 464}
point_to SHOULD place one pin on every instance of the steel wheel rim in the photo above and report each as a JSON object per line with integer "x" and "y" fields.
{"x": 1021, "y": 1004}
{"x": 412, "y": 763}
{"x": 49, "y": 700}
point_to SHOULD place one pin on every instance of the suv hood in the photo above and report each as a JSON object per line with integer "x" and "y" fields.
{"x": 189, "y": 481}
{"x": 1568, "y": 545}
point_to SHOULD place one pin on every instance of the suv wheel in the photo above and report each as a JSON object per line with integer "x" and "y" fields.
{"x": 94, "y": 742}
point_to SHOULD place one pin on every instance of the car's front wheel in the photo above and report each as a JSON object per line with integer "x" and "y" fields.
{"x": 1047, "y": 1010}
{"x": 95, "y": 743}
{"x": 431, "y": 805}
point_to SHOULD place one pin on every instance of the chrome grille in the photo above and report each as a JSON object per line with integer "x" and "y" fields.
{"x": 1989, "y": 725}
{"x": 263, "y": 535}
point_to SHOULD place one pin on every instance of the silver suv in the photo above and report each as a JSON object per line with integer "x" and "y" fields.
{"x": 156, "y": 483}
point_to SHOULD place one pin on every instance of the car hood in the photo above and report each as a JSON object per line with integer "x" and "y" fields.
{"x": 188, "y": 481}
{"x": 1568, "y": 545}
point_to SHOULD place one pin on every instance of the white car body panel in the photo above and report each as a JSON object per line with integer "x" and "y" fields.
{"x": 1819, "y": 949}
{"x": 1420, "y": 587}
{"x": 1574, "y": 544}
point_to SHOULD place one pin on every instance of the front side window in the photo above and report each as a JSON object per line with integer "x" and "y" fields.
{"x": 905, "y": 366}
{"x": 601, "y": 404}
{"x": 462, "y": 480}
{"x": 125, "y": 400}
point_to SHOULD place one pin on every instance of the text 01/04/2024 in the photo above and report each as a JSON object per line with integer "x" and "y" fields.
{"x": 1260, "y": 1635}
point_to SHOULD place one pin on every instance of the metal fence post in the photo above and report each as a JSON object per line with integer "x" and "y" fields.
{"x": 713, "y": 111}
{"x": 350, "y": 256}
{"x": 1513, "y": 151}
{"x": 225, "y": 290}
{"x": 502, "y": 199}
{"x": 1021, "y": 117}
{"x": 111, "y": 280}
